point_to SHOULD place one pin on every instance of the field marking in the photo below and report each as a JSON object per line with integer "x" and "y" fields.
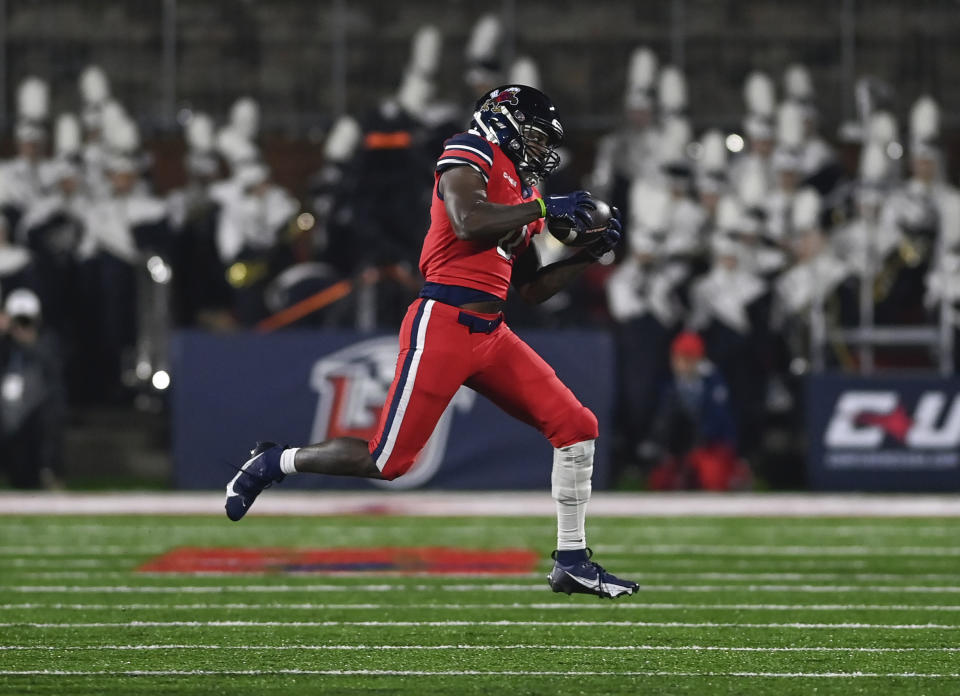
{"x": 463, "y": 587}
{"x": 497, "y": 504}
{"x": 776, "y": 550}
{"x": 610, "y": 648}
{"x": 625, "y": 606}
{"x": 382, "y": 624}
{"x": 468, "y": 673}
{"x": 633, "y": 574}
{"x": 135, "y": 551}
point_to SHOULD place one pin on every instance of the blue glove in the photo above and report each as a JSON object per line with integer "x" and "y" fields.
{"x": 609, "y": 238}
{"x": 571, "y": 207}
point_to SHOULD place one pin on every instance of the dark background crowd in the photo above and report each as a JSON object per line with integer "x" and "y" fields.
{"x": 782, "y": 186}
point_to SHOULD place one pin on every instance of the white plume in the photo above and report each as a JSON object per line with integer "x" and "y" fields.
{"x": 94, "y": 86}
{"x": 342, "y": 140}
{"x": 714, "y": 157}
{"x": 643, "y": 69}
{"x": 882, "y": 128}
{"x": 790, "y": 125}
{"x": 33, "y": 99}
{"x": 874, "y": 164}
{"x": 753, "y": 187}
{"x": 67, "y": 137}
{"x": 200, "y": 135}
{"x": 122, "y": 136}
{"x": 113, "y": 113}
{"x": 245, "y": 117}
{"x": 797, "y": 83}
{"x": 758, "y": 94}
{"x": 729, "y": 214}
{"x": 484, "y": 38}
{"x": 425, "y": 51}
{"x": 674, "y": 138}
{"x": 524, "y": 71}
{"x": 924, "y": 120}
{"x": 806, "y": 209}
{"x": 672, "y": 90}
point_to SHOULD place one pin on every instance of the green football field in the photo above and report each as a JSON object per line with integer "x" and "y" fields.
{"x": 727, "y": 606}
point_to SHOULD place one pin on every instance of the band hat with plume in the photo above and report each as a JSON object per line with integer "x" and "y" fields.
{"x": 797, "y": 83}
{"x": 483, "y": 49}
{"x": 924, "y": 128}
{"x": 67, "y": 139}
{"x": 121, "y": 139}
{"x": 672, "y": 91}
{"x": 675, "y": 136}
{"x": 525, "y": 71}
{"x": 33, "y": 109}
{"x": 245, "y": 117}
{"x": 760, "y": 100}
{"x": 201, "y": 157}
{"x": 758, "y": 94}
{"x": 712, "y": 165}
{"x": 790, "y": 130}
{"x": 95, "y": 93}
{"x": 425, "y": 51}
{"x": 342, "y": 140}
{"x": 730, "y": 215}
{"x": 641, "y": 74}
{"x": 234, "y": 148}
{"x": 806, "y": 210}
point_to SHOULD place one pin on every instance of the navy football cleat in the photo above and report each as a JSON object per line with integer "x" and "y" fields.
{"x": 261, "y": 471}
{"x": 573, "y": 571}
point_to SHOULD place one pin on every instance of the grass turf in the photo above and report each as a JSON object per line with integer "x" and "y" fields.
{"x": 727, "y": 606}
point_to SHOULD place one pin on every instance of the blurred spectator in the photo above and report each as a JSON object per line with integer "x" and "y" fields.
{"x": 628, "y": 154}
{"x": 693, "y": 430}
{"x": 123, "y": 230}
{"x": 202, "y": 295}
{"x": 32, "y": 399}
{"x": 252, "y": 235}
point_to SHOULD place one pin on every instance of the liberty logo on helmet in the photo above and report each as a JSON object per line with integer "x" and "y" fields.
{"x": 503, "y": 97}
{"x": 352, "y": 385}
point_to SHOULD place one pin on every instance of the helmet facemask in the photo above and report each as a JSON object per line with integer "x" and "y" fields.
{"x": 539, "y": 157}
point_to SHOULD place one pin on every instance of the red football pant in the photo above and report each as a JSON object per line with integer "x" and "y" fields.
{"x": 438, "y": 355}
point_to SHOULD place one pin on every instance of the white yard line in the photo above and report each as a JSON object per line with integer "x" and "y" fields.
{"x": 463, "y": 587}
{"x": 503, "y": 623}
{"x": 539, "y": 606}
{"x": 776, "y": 550}
{"x": 138, "y": 550}
{"x": 610, "y": 648}
{"x": 492, "y": 504}
{"x": 473, "y": 673}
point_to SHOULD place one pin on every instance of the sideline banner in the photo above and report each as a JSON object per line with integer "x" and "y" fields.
{"x": 306, "y": 386}
{"x": 883, "y": 433}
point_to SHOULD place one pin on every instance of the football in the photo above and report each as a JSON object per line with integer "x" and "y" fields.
{"x": 568, "y": 233}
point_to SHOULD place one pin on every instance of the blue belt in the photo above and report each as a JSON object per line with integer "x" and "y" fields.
{"x": 479, "y": 324}
{"x": 455, "y": 295}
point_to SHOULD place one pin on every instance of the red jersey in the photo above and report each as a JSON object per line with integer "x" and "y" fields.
{"x": 448, "y": 260}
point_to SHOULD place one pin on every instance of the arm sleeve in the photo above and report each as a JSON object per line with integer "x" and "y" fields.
{"x": 468, "y": 150}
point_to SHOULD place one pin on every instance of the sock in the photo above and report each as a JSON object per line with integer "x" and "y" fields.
{"x": 572, "y": 469}
{"x": 286, "y": 460}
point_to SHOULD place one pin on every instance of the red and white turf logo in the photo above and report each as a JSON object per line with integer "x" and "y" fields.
{"x": 352, "y": 385}
{"x": 864, "y": 419}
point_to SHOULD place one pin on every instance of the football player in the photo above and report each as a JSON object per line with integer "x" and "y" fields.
{"x": 485, "y": 210}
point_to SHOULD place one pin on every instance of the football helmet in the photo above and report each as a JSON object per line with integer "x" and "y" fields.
{"x": 525, "y": 124}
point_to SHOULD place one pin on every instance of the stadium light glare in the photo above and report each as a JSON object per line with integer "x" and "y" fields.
{"x": 161, "y": 380}
{"x": 894, "y": 150}
{"x": 734, "y": 142}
